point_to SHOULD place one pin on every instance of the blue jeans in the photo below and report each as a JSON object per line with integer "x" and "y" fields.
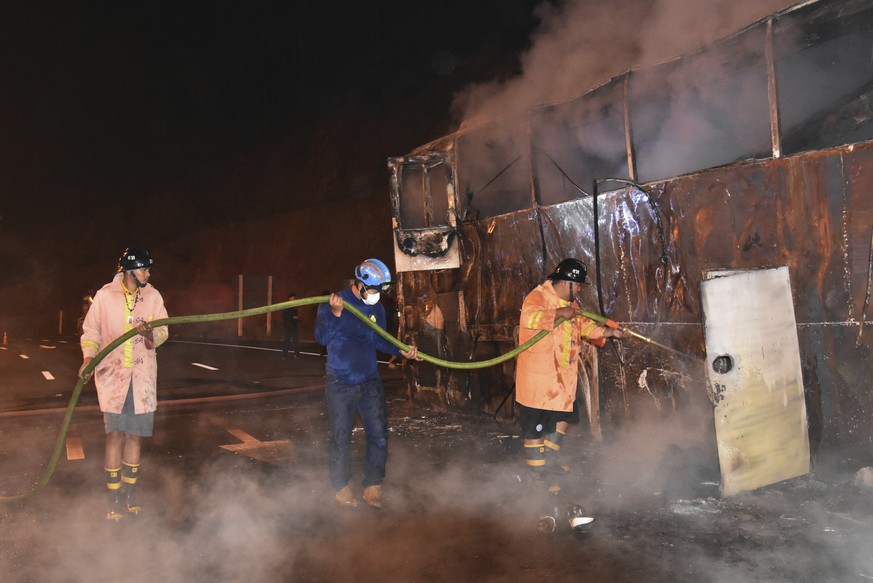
{"x": 343, "y": 402}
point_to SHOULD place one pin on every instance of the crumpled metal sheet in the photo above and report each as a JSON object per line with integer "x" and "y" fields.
{"x": 811, "y": 212}
{"x": 647, "y": 249}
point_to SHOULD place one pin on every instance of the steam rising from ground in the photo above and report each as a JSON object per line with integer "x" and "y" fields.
{"x": 580, "y": 44}
{"x": 457, "y": 508}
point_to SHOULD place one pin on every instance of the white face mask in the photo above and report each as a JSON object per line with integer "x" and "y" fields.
{"x": 371, "y": 299}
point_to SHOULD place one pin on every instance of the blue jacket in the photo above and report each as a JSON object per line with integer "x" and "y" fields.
{"x": 351, "y": 344}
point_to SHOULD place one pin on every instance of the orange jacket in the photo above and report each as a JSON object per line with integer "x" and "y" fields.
{"x": 545, "y": 374}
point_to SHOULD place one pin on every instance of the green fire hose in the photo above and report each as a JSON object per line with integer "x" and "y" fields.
{"x": 74, "y": 398}
{"x": 77, "y": 391}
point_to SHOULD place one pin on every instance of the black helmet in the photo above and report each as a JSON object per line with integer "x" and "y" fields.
{"x": 134, "y": 258}
{"x": 571, "y": 270}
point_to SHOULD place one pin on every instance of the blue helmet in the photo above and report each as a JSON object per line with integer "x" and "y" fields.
{"x": 374, "y": 275}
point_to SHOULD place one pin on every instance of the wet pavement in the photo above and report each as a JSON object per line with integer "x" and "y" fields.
{"x": 458, "y": 505}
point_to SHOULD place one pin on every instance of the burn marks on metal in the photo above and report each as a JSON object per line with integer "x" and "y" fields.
{"x": 810, "y": 211}
{"x": 429, "y": 242}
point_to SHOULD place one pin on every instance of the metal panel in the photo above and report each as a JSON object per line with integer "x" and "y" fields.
{"x": 753, "y": 365}
{"x": 647, "y": 247}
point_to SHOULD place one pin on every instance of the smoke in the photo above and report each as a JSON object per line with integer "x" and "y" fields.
{"x": 233, "y": 520}
{"x": 580, "y": 44}
{"x": 667, "y": 457}
{"x": 457, "y": 508}
{"x": 226, "y": 531}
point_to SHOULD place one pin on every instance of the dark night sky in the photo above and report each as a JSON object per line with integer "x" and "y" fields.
{"x": 134, "y": 123}
{"x": 98, "y": 104}
{"x": 129, "y": 123}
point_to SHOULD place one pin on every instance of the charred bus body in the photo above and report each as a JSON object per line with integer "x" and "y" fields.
{"x": 754, "y": 153}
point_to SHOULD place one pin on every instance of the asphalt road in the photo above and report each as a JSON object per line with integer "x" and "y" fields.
{"x": 212, "y": 399}
{"x": 235, "y": 488}
{"x": 197, "y": 382}
{"x": 41, "y": 373}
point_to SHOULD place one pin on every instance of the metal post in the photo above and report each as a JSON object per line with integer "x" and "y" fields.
{"x": 628, "y": 135}
{"x": 61, "y": 324}
{"x": 772, "y": 94}
{"x": 269, "y": 303}
{"x": 239, "y": 321}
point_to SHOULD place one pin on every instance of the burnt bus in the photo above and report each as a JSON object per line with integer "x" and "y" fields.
{"x": 723, "y": 202}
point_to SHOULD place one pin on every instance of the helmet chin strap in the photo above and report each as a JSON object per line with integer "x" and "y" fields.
{"x": 136, "y": 279}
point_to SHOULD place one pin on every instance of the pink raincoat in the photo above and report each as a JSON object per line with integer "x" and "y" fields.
{"x": 109, "y": 317}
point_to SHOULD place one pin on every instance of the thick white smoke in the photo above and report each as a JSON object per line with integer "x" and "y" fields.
{"x": 580, "y": 44}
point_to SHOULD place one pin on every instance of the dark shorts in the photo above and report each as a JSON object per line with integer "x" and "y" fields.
{"x": 537, "y": 423}
{"x": 129, "y": 422}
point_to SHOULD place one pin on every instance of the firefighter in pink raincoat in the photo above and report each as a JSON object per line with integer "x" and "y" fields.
{"x": 126, "y": 378}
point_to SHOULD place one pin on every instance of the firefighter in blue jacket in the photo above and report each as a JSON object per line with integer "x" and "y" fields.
{"x": 353, "y": 384}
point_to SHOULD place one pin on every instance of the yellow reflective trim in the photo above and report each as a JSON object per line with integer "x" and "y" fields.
{"x": 588, "y": 328}
{"x": 128, "y": 318}
{"x": 567, "y": 330}
{"x": 128, "y": 344}
{"x": 536, "y": 463}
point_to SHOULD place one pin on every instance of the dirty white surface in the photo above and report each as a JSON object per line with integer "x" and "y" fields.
{"x": 760, "y": 413}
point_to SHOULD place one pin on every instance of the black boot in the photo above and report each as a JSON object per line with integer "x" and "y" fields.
{"x": 116, "y": 510}
{"x": 129, "y": 477}
{"x": 133, "y": 508}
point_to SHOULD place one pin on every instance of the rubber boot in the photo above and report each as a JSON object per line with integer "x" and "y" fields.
{"x": 133, "y": 509}
{"x": 116, "y": 508}
{"x": 553, "y": 443}
{"x": 129, "y": 477}
{"x": 113, "y": 488}
{"x": 535, "y": 458}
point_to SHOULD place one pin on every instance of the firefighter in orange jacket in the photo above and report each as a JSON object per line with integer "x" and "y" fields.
{"x": 546, "y": 373}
